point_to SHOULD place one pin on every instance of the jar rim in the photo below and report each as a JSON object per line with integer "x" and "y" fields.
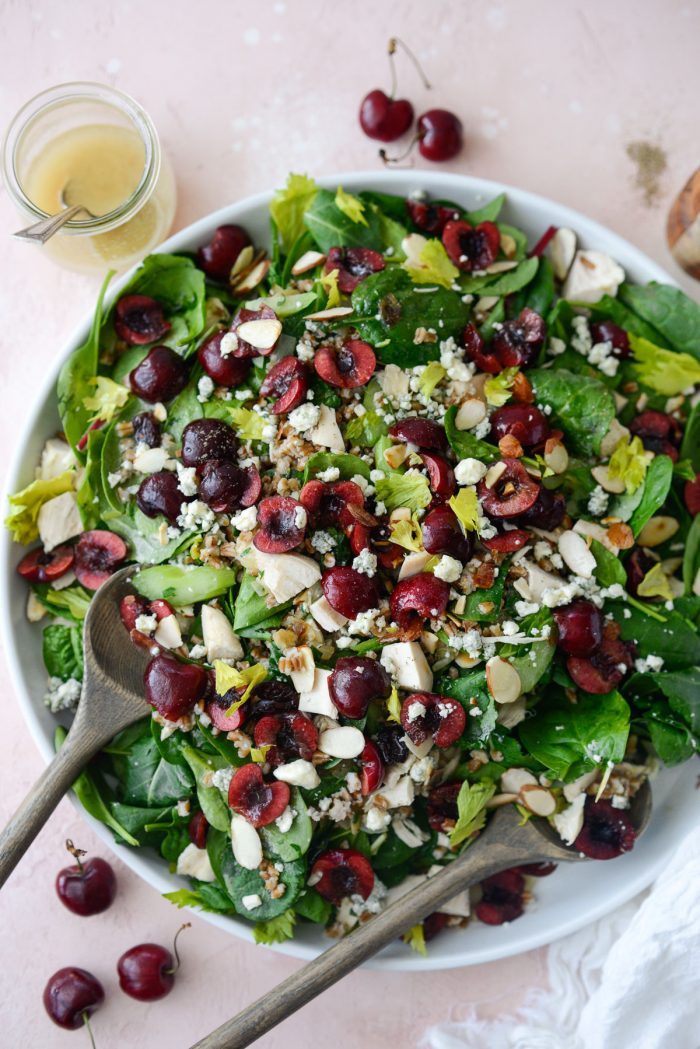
{"x": 83, "y": 90}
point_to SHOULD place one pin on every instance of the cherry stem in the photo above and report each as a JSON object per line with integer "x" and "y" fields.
{"x": 187, "y": 925}
{"x": 86, "y": 1021}
{"x": 75, "y": 853}
{"x": 393, "y": 43}
{"x": 397, "y": 160}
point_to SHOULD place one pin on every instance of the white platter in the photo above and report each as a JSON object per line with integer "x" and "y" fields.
{"x": 567, "y": 900}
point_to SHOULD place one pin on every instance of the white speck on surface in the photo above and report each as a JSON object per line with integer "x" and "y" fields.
{"x": 251, "y": 36}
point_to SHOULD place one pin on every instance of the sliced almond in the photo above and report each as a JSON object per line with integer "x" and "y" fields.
{"x": 168, "y": 632}
{"x": 252, "y": 278}
{"x": 299, "y": 664}
{"x": 556, "y": 456}
{"x": 621, "y": 535}
{"x": 35, "y": 609}
{"x": 562, "y": 249}
{"x": 260, "y": 334}
{"x": 538, "y": 800}
{"x": 657, "y": 530}
{"x": 308, "y": 261}
{"x": 243, "y": 262}
{"x": 493, "y": 473}
{"x": 609, "y": 484}
{"x": 501, "y": 267}
{"x": 596, "y": 531}
{"x": 513, "y": 780}
{"x": 470, "y": 413}
{"x": 503, "y": 680}
{"x": 429, "y": 641}
{"x": 508, "y": 245}
{"x": 401, "y": 513}
{"x": 485, "y": 303}
{"x": 577, "y": 557}
{"x": 465, "y": 661}
{"x": 343, "y": 742}
{"x": 395, "y": 455}
{"x": 510, "y": 447}
{"x": 329, "y": 315}
{"x": 498, "y": 800}
{"x": 245, "y": 843}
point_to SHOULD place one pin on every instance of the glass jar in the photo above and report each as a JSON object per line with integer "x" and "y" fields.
{"x": 88, "y": 144}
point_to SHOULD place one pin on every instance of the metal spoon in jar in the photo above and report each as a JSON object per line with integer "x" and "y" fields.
{"x": 40, "y": 232}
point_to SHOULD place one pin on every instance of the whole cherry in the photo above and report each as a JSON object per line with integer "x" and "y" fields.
{"x": 384, "y": 117}
{"x": 147, "y": 971}
{"x": 86, "y": 888}
{"x": 71, "y": 996}
{"x": 439, "y": 135}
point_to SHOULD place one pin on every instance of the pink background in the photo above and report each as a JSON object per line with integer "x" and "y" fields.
{"x": 550, "y": 96}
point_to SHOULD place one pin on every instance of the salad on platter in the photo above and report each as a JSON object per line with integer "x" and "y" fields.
{"x": 414, "y": 512}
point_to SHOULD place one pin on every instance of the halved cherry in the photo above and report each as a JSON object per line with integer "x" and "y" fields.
{"x": 349, "y": 592}
{"x": 97, "y": 555}
{"x": 471, "y": 247}
{"x": 339, "y": 873}
{"x": 217, "y": 258}
{"x": 372, "y": 765}
{"x": 225, "y": 486}
{"x": 691, "y": 494}
{"x": 604, "y": 669}
{"x": 513, "y": 493}
{"x": 442, "y": 534}
{"x": 197, "y": 829}
{"x": 501, "y": 898}
{"x": 427, "y": 714}
{"x": 258, "y": 802}
{"x": 607, "y": 832}
{"x": 288, "y": 381}
{"x": 279, "y": 531}
{"x": 442, "y": 805}
{"x": 243, "y": 316}
{"x": 217, "y": 706}
{"x": 130, "y": 608}
{"x": 359, "y": 536}
{"x": 430, "y": 218}
{"x": 355, "y": 682}
{"x": 351, "y": 366}
{"x": 274, "y": 696}
{"x": 475, "y": 349}
{"x": 139, "y": 319}
{"x": 424, "y": 433}
{"x": 536, "y": 870}
{"x": 517, "y": 341}
{"x": 173, "y": 687}
{"x": 579, "y": 627}
{"x": 225, "y": 371}
{"x": 353, "y": 265}
{"x": 659, "y": 433}
{"x": 507, "y": 542}
{"x": 289, "y": 736}
{"x": 440, "y": 475}
{"x": 434, "y": 924}
{"x": 41, "y": 567}
{"x": 525, "y": 422}
{"x": 547, "y": 512}
{"x": 422, "y": 595}
{"x": 328, "y": 501}
{"x": 161, "y": 609}
{"x": 607, "y": 331}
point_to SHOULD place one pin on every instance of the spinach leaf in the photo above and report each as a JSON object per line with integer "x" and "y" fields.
{"x": 349, "y": 465}
{"x": 494, "y": 595}
{"x": 691, "y": 555}
{"x": 184, "y": 409}
{"x": 330, "y": 227}
{"x": 496, "y": 315}
{"x": 669, "y": 310}
{"x": 293, "y": 843}
{"x": 169, "y": 747}
{"x": 108, "y": 461}
{"x": 62, "y": 649}
{"x": 608, "y": 308}
{"x": 584, "y": 407}
{"x": 74, "y": 380}
{"x": 240, "y": 882}
{"x": 146, "y": 824}
{"x": 92, "y": 496}
{"x": 147, "y": 779}
{"x": 389, "y": 309}
{"x": 488, "y": 213}
{"x": 179, "y": 286}
{"x": 391, "y": 205}
{"x": 210, "y": 800}
{"x": 538, "y": 294}
{"x": 657, "y": 484}
{"x": 690, "y": 448}
{"x": 465, "y": 445}
{"x": 142, "y": 534}
{"x": 251, "y": 607}
{"x": 671, "y": 739}
{"x": 682, "y": 690}
{"x": 220, "y": 745}
{"x": 471, "y": 691}
{"x": 184, "y": 586}
{"x": 503, "y": 283}
{"x": 572, "y": 738}
{"x": 608, "y": 568}
{"x": 533, "y": 665}
{"x": 668, "y": 635}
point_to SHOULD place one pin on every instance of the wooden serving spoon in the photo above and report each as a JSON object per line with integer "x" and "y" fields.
{"x": 504, "y": 843}
{"x": 112, "y": 698}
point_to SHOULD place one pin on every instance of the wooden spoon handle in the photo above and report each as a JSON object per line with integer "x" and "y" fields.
{"x": 502, "y": 845}
{"x": 43, "y": 798}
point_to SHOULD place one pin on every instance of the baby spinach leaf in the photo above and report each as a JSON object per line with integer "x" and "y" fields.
{"x": 91, "y": 495}
{"x": 390, "y": 204}
{"x": 330, "y": 227}
{"x": 103, "y": 446}
{"x": 533, "y": 665}
{"x": 74, "y": 380}
{"x": 496, "y": 315}
{"x": 672, "y": 740}
{"x": 293, "y": 843}
{"x": 169, "y": 747}
{"x": 488, "y": 213}
{"x": 608, "y": 568}
{"x": 141, "y": 821}
{"x": 584, "y": 407}
{"x": 465, "y": 445}
{"x": 210, "y": 800}
{"x": 538, "y": 294}
{"x": 389, "y": 310}
{"x": 691, "y": 555}
{"x": 503, "y": 283}
{"x": 184, "y": 586}
{"x": 665, "y": 634}
{"x": 184, "y": 409}
{"x": 657, "y": 484}
{"x": 147, "y": 779}
{"x": 62, "y": 649}
{"x": 571, "y": 738}
{"x": 240, "y": 882}
{"x": 690, "y": 448}
{"x": 682, "y": 690}
{"x": 142, "y": 534}
{"x": 669, "y": 310}
{"x": 608, "y": 308}
{"x": 251, "y": 607}
{"x": 349, "y": 465}
{"x": 179, "y": 286}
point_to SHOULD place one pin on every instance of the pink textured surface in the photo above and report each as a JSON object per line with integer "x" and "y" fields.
{"x": 550, "y": 96}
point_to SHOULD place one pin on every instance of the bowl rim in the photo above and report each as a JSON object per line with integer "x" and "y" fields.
{"x": 439, "y": 183}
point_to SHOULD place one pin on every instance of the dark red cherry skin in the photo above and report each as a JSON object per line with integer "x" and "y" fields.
{"x": 349, "y": 592}
{"x": 146, "y": 429}
{"x": 338, "y": 873}
{"x": 225, "y": 487}
{"x": 513, "y": 493}
{"x": 70, "y": 995}
{"x": 601, "y": 673}
{"x": 475, "y": 350}
{"x": 385, "y": 119}
{"x": 205, "y": 439}
{"x": 434, "y": 924}
{"x": 40, "y": 567}
{"x": 658, "y": 432}
{"x": 391, "y": 744}
{"x": 218, "y": 257}
{"x": 372, "y": 768}
{"x": 328, "y": 502}
{"x": 225, "y": 371}
{"x": 442, "y": 534}
{"x": 217, "y": 706}
{"x": 518, "y": 341}
{"x": 146, "y": 972}
{"x": 440, "y": 475}
{"x": 430, "y": 218}
{"x": 525, "y": 422}
{"x": 501, "y": 898}
{"x": 507, "y": 542}
{"x": 130, "y": 608}
{"x": 355, "y": 682}
{"x": 691, "y": 495}
{"x": 159, "y": 493}
{"x": 444, "y": 719}
{"x": 607, "y": 331}
{"x": 422, "y": 595}
{"x": 274, "y": 697}
{"x": 471, "y": 247}
{"x": 439, "y": 135}
{"x": 197, "y": 829}
{"x": 353, "y": 265}
{"x": 243, "y": 315}
{"x": 258, "y": 802}
{"x": 139, "y": 319}
{"x": 442, "y": 805}
{"x": 579, "y": 628}
{"x": 536, "y": 870}
{"x": 547, "y": 512}
{"x": 87, "y": 889}
{"x": 607, "y": 832}
{"x": 160, "y": 376}
{"x": 288, "y": 382}
{"x": 426, "y": 434}
{"x": 289, "y": 736}
{"x": 351, "y": 366}
{"x": 278, "y": 531}
{"x": 172, "y": 687}
{"x": 97, "y": 555}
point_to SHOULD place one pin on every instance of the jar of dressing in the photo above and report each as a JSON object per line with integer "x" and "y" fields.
{"x": 88, "y": 144}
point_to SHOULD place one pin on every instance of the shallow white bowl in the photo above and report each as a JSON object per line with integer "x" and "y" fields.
{"x": 574, "y": 895}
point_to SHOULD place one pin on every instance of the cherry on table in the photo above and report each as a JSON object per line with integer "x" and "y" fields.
{"x": 147, "y": 971}
{"x": 86, "y": 888}
{"x": 384, "y": 117}
{"x": 71, "y": 997}
{"x": 439, "y": 135}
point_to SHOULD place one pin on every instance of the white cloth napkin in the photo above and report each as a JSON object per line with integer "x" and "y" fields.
{"x": 629, "y": 981}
